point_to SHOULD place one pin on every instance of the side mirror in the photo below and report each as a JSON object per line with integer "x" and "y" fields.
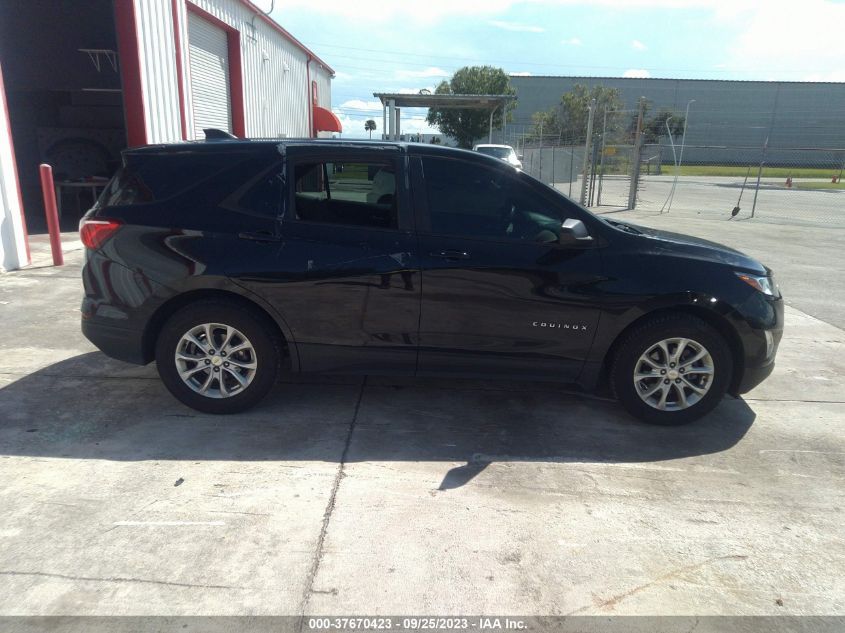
{"x": 574, "y": 232}
{"x": 520, "y": 157}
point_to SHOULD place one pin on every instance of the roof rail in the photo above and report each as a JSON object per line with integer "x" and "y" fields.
{"x": 213, "y": 134}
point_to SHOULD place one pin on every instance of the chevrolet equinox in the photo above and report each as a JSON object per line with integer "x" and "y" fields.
{"x": 227, "y": 261}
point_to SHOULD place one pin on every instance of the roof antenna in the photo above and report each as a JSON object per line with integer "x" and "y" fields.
{"x": 213, "y": 134}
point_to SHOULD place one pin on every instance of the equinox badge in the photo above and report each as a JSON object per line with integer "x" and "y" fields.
{"x": 560, "y": 326}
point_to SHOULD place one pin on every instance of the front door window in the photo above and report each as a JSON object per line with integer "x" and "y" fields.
{"x": 476, "y": 201}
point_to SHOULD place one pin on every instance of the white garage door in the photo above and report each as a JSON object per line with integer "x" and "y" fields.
{"x": 209, "y": 54}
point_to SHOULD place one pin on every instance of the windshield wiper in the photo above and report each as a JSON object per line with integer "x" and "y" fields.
{"x": 625, "y": 227}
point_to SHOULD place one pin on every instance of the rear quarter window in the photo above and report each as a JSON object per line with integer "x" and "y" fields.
{"x": 146, "y": 178}
{"x": 212, "y": 191}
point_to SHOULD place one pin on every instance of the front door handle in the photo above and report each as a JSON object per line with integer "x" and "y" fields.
{"x": 450, "y": 255}
{"x": 260, "y": 236}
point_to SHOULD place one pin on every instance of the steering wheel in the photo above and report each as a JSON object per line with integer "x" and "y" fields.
{"x": 507, "y": 215}
{"x": 515, "y": 224}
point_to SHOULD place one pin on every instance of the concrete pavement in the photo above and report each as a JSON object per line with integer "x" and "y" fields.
{"x": 714, "y": 197}
{"x": 394, "y": 495}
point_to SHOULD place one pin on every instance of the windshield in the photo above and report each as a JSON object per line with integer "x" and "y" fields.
{"x": 496, "y": 152}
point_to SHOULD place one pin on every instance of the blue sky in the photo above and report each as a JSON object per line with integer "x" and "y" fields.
{"x": 393, "y": 46}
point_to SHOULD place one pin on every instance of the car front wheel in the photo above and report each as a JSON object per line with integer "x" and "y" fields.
{"x": 217, "y": 357}
{"x": 671, "y": 370}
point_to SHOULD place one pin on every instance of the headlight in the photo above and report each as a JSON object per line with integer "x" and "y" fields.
{"x": 766, "y": 285}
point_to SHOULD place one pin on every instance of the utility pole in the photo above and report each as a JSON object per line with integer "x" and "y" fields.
{"x": 540, "y": 171}
{"x": 635, "y": 159}
{"x": 765, "y": 149}
{"x": 601, "y": 158}
{"x": 587, "y": 146}
{"x": 759, "y": 175}
{"x": 680, "y": 157}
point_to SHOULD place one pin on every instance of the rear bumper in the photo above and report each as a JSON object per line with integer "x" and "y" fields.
{"x": 120, "y": 343}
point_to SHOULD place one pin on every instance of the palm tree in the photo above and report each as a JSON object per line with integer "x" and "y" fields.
{"x": 369, "y": 126}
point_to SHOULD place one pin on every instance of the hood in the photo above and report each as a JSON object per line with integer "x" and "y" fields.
{"x": 668, "y": 243}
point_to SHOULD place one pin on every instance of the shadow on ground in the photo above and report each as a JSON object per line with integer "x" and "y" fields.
{"x": 90, "y": 407}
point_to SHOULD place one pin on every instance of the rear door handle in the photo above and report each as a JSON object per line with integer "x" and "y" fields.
{"x": 450, "y": 255}
{"x": 260, "y": 236}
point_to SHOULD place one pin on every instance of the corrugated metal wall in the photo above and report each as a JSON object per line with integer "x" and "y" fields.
{"x": 12, "y": 245}
{"x": 324, "y": 84}
{"x": 158, "y": 69}
{"x": 725, "y": 115}
{"x": 276, "y": 90}
{"x": 209, "y": 53}
{"x": 275, "y": 82}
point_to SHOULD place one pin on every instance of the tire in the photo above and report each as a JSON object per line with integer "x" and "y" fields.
{"x": 705, "y": 359}
{"x": 247, "y": 371}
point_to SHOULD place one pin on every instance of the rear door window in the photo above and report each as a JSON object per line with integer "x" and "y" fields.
{"x": 355, "y": 193}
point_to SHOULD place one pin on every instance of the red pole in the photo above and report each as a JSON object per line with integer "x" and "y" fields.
{"x": 49, "y": 190}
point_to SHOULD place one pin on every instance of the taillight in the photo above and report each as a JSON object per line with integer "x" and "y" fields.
{"x": 94, "y": 233}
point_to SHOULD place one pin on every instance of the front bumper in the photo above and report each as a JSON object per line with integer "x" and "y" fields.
{"x": 753, "y": 376}
{"x": 761, "y": 345}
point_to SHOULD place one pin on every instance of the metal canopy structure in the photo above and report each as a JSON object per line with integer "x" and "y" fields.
{"x": 392, "y": 103}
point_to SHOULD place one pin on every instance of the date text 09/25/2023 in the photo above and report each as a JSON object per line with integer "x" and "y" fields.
{"x": 415, "y": 623}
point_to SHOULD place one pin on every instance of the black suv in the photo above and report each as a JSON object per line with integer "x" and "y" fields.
{"x": 226, "y": 261}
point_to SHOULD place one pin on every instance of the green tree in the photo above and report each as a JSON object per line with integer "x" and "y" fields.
{"x": 568, "y": 119}
{"x": 370, "y": 126}
{"x": 467, "y": 125}
{"x": 654, "y": 128}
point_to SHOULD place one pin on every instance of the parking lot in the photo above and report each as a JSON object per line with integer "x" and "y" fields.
{"x": 715, "y": 197}
{"x": 384, "y": 495}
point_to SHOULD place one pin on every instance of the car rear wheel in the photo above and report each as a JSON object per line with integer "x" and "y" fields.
{"x": 218, "y": 357}
{"x": 671, "y": 370}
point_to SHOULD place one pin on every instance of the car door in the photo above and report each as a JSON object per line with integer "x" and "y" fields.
{"x": 347, "y": 278}
{"x": 500, "y": 293}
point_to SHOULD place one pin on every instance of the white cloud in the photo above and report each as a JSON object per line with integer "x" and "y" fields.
{"x": 832, "y": 75}
{"x": 360, "y": 104}
{"x": 806, "y": 45}
{"x": 636, "y": 73}
{"x": 516, "y": 26}
{"x": 769, "y": 39}
{"x": 417, "y": 125}
{"x": 637, "y": 45}
{"x": 433, "y": 11}
{"x": 379, "y": 11}
{"x": 431, "y": 71}
{"x": 353, "y": 125}
{"x": 523, "y": 73}
{"x": 413, "y": 91}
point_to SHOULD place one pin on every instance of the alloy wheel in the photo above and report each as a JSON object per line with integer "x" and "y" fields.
{"x": 216, "y": 360}
{"x": 674, "y": 374}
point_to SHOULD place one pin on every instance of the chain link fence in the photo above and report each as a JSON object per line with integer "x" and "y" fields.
{"x": 768, "y": 182}
{"x": 781, "y": 185}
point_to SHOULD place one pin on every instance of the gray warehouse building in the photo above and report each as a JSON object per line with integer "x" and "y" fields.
{"x": 804, "y": 122}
